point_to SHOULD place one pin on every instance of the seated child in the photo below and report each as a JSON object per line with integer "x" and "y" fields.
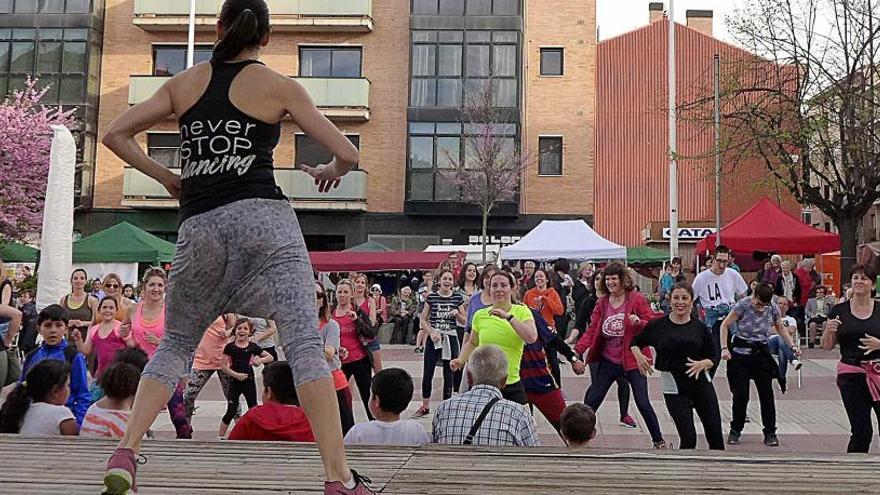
{"x": 578, "y": 424}
{"x": 53, "y": 321}
{"x": 279, "y": 418}
{"x": 392, "y": 392}
{"x": 108, "y": 417}
{"x": 36, "y": 405}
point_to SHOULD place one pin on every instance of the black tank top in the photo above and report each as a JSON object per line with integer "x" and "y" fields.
{"x": 226, "y": 155}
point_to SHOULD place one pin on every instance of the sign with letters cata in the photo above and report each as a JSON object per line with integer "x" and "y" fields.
{"x": 690, "y": 234}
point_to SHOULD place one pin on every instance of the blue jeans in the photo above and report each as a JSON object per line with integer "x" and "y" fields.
{"x": 779, "y": 347}
{"x": 606, "y": 374}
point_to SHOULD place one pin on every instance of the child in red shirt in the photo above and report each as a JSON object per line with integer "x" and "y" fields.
{"x": 279, "y": 418}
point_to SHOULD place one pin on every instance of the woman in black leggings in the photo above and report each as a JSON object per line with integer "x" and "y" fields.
{"x": 357, "y": 361}
{"x": 855, "y": 325}
{"x": 685, "y": 354}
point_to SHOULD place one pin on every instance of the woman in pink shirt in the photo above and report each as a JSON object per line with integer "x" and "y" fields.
{"x": 357, "y": 359}
{"x": 103, "y": 340}
{"x": 368, "y": 305}
{"x": 147, "y": 324}
{"x": 207, "y": 361}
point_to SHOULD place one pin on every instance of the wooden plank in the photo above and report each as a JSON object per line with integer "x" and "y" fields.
{"x": 75, "y": 465}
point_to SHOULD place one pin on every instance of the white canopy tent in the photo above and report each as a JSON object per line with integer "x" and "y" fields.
{"x": 567, "y": 239}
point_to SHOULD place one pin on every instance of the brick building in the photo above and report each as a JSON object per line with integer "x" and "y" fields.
{"x": 632, "y": 164}
{"x": 391, "y": 75}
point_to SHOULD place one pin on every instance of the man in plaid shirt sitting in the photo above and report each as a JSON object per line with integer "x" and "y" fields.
{"x": 481, "y": 416}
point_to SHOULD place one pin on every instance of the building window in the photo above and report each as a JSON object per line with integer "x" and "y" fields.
{"x": 807, "y": 216}
{"x": 164, "y": 147}
{"x": 550, "y": 156}
{"x": 447, "y": 67}
{"x": 434, "y": 147}
{"x": 462, "y": 7}
{"x": 169, "y": 60}
{"x": 330, "y": 62}
{"x": 311, "y": 152}
{"x": 57, "y": 57}
{"x": 551, "y": 61}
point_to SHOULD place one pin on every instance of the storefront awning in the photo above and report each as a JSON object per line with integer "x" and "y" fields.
{"x": 366, "y": 261}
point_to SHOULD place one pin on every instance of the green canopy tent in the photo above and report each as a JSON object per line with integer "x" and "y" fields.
{"x": 123, "y": 243}
{"x": 644, "y": 255}
{"x": 370, "y": 246}
{"x": 18, "y": 253}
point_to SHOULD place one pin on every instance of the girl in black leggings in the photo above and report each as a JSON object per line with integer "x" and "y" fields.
{"x": 685, "y": 354}
{"x": 242, "y": 355}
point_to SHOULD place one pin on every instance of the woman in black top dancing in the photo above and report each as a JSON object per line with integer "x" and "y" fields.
{"x": 855, "y": 325}
{"x": 238, "y": 234}
{"x": 685, "y": 355}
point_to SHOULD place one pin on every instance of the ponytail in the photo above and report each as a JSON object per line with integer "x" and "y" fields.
{"x": 245, "y": 23}
{"x": 40, "y": 381}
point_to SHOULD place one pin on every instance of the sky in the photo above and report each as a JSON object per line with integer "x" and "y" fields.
{"x": 615, "y": 17}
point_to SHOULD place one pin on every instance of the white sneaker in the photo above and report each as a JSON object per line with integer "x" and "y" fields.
{"x": 797, "y": 363}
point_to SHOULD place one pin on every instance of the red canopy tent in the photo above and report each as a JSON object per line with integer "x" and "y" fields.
{"x": 366, "y": 261}
{"x": 768, "y": 228}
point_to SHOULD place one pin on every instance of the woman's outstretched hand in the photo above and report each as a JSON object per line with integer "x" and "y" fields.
{"x": 326, "y": 176}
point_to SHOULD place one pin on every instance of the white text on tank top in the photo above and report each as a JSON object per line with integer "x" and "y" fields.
{"x": 226, "y": 139}
{"x": 714, "y": 290}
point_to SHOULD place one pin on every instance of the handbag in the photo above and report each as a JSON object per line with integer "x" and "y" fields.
{"x": 364, "y": 327}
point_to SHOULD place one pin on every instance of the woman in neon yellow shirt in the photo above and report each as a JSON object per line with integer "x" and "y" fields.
{"x": 507, "y": 325}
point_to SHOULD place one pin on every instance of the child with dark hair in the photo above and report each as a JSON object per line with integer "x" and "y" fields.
{"x": 242, "y": 355}
{"x": 578, "y": 422}
{"x": 133, "y": 356}
{"x": 279, "y": 418}
{"x": 52, "y": 322}
{"x": 108, "y": 417}
{"x": 36, "y": 405}
{"x": 392, "y": 391}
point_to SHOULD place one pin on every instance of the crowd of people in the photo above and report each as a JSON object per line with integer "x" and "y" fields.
{"x": 94, "y": 345}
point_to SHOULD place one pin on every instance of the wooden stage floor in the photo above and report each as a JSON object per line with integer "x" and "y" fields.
{"x": 74, "y": 466}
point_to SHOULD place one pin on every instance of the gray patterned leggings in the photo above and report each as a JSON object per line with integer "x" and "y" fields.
{"x": 246, "y": 257}
{"x": 197, "y": 381}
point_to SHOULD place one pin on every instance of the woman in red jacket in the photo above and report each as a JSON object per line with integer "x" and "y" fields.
{"x": 619, "y": 316}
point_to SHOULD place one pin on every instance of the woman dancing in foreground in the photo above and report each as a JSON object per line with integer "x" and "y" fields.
{"x": 238, "y": 234}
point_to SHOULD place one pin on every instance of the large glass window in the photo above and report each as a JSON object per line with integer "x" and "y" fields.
{"x": 311, "y": 152}
{"x": 434, "y": 147}
{"x": 330, "y": 62}
{"x": 164, "y": 147}
{"x": 57, "y": 57}
{"x": 462, "y": 7}
{"x": 45, "y": 6}
{"x": 169, "y": 60}
{"x": 450, "y": 65}
{"x": 550, "y": 156}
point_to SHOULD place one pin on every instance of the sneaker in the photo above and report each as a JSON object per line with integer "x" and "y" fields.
{"x": 628, "y": 422}
{"x": 421, "y": 412}
{"x": 770, "y": 440}
{"x": 733, "y": 437}
{"x": 797, "y": 363}
{"x": 338, "y": 488}
{"x": 419, "y": 350}
{"x": 661, "y": 445}
{"x": 783, "y": 385}
{"x": 120, "y": 478}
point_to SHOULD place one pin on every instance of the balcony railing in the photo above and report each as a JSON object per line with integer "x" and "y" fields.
{"x": 338, "y": 98}
{"x": 286, "y": 15}
{"x": 142, "y": 191}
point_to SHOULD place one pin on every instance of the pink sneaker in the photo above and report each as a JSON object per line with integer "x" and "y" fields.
{"x": 120, "y": 478}
{"x": 360, "y": 487}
